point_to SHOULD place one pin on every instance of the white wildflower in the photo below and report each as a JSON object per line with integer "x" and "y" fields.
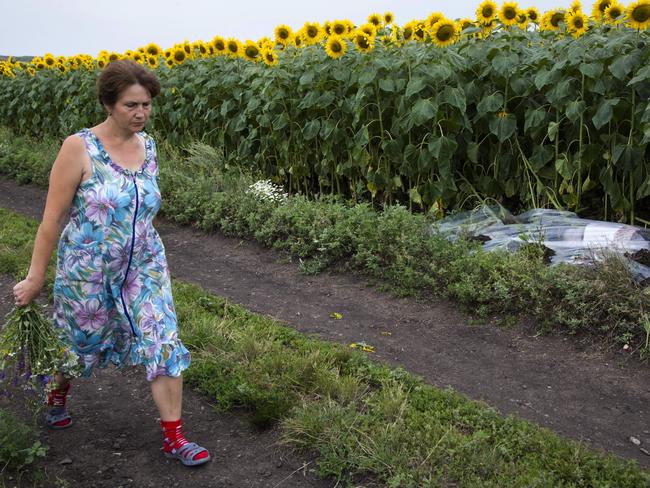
{"x": 266, "y": 190}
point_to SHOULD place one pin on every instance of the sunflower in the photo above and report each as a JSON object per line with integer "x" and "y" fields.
{"x": 466, "y": 23}
{"x": 49, "y": 60}
{"x": 169, "y": 62}
{"x": 283, "y": 34}
{"x": 168, "y": 53}
{"x": 598, "y": 10}
{"x": 233, "y": 46}
{"x": 444, "y": 32}
{"x": 179, "y": 55}
{"x": 265, "y": 43}
{"x": 614, "y": 14}
{"x": 638, "y": 15}
{"x": 389, "y": 18}
{"x": 327, "y": 28}
{"x": 152, "y": 62}
{"x": 101, "y": 63}
{"x": 311, "y": 32}
{"x": 533, "y": 15}
{"x": 219, "y": 45}
{"x": 522, "y": 20}
{"x": 374, "y": 19}
{"x": 40, "y": 65}
{"x": 251, "y": 51}
{"x": 62, "y": 68}
{"x": 270, "y": 57}
{"x": 509, "y": 13}
{"x": 369, "y": 29}
{"x": 349, "y": 27}
{"x": 187, "y": 47}
{"x": 575, "y": 6}
{"x": 486, "y": 12}
{"x": 407, "y": 32}
{"x": 363, "y": 42}
{"x": 296, "y": 41}
{"x": 433, "y": 18}
{"x": 577, "y": 23}
{"x": 335, "y": 47}
{"x": 419, "y": 32}
{"x": 339, "y": 28}
{"x": 153, "y": 49}
{"x": 138, "y": 57}
{"x": 203, "y": 48}
{"x": 31, "y": 71}
{"x": 551, "y": 20}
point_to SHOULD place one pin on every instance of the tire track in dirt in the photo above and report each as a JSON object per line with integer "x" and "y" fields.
{"x": 599, "y": 397}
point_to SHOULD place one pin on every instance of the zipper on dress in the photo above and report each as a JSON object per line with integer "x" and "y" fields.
{"x": 128, "y": 267}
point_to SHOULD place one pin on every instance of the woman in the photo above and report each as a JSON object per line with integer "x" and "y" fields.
{"x": 112, "y": 293}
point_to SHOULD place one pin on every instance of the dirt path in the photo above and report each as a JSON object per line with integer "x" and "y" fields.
{"x": 601, "y": 398}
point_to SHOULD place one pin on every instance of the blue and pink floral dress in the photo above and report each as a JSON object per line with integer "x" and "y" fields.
{"x": 112, "y": 291}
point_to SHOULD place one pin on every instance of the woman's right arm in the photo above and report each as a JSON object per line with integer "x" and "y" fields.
{"x": 65, "y": 177}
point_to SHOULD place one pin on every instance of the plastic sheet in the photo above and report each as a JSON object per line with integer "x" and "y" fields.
{"x": 567, "y": 237}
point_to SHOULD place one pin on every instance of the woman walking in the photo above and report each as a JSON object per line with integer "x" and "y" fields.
{"x": 112, "y": 292}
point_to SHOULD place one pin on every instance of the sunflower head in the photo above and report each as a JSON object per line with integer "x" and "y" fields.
{"x": 598, "y": 10}
{"x": 327, "y": 28}
{"x": 614, "y": 14}
{"x": 575, "y": 6}
{"x": 179, "y": 55}
{"x": 508, "y": 13}
{"x": 522, "y": 20}
{"x": 137, "y": 56}
{"x": 113, "y": 56}
{"x": 369, "y": 29}
{"x": 169, "y": 62}
{"x": 233, "y": 46}
{"x": 251, "y": 51}
{"x": 296, "y": 41}
{"x": 31, "y": 71}
{"x": 311, "y": 32}
{"x": 577, "y": 23}
{"x": 433, "y": 18}
{"x": 335, "y": 47}
{"x": 389, "y": 18}
{"x": 407, "y": 32}
{"x": 419, "y": 31}
{"x": 374, "y": 19}
{"x": 486, "y": 12}
{"x": 153, "y": 49}
{"x": 265, "y": 43}
{"x": 283, "y": 34}
{"x": 49, "y": 60}
{"x": 40, "y": 65}
{"x": 152, "y": 62}
{"x": 270, "y": 57}
{"x": 552, "y": 19}
{"x": 533, "y": 15}
{"x": 219, "y": 45}
{"x": 444, "y": 32}
{"x": 363, "y": 42}
{"x": 638, "y": 15}
{"x": 339, "y": 28}
{"x": 101, "y": 63}
{"x": 466, "y": 23}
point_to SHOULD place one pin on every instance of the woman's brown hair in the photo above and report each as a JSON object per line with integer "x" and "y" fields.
{"x": 119, "y": 75}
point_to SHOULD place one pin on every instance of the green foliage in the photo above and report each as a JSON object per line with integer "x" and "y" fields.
{"x": 19, "y": 444}
{"x": 533, "y": 119}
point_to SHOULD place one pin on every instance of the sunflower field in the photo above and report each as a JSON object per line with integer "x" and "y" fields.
{"x": 528, "y": 109}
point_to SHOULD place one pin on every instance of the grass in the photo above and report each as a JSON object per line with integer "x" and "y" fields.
{"x": 362, "y": 418}
{"x": 600, "y": 304}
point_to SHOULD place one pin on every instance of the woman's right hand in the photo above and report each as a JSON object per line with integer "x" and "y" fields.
{"x": 27, "y": 290}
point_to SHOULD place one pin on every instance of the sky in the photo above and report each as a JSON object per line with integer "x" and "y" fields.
{"x": 68, "y": 27}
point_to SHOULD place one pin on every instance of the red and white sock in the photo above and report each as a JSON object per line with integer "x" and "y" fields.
{"x": 173, "y": 437}
{"x": 56, "y": 403}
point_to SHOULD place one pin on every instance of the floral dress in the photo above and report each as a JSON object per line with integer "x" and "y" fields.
{"x": 112, "y": 292}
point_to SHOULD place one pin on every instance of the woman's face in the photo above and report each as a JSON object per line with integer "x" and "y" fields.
{"x": 132, "y": 109}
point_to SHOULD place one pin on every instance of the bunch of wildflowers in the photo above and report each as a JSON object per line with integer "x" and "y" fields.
{"x": 266, "y": 190}
{"x": 31, "y": 352}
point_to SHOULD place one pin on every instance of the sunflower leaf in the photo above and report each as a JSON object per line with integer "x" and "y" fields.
{"x": 491, "y": 103}
{"x": 415, "y": 85}
{"x": 423, "y": 111}
{"x": 604, "y": 112}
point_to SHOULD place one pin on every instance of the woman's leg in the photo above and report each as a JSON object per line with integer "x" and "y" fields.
{"x": 56, "y": 416}
{"x": 167, "y": 393}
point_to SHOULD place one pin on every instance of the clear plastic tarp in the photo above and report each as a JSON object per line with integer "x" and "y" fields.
{"x": 566, "y": 237}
